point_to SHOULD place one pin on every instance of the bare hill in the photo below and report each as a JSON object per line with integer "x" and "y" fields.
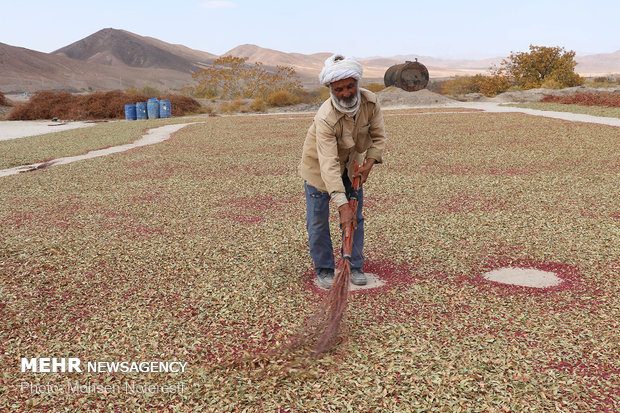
{"x": 117, "y": 47}
{"x": 308, "y": 64}
{"x": 25, "y": 70}
{"x": 597, "y": 64}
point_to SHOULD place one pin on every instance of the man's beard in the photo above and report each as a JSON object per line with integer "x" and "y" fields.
{"x": 348, "y": 106}
{"x": 349, "y": 102}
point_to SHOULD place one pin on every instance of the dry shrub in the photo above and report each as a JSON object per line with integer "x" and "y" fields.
{"x": 306, "y": 96}
{"x": 487, "y": 85}
{"x": 324, "y": 94}
{"x": 4, "y": 101}
{"x": 45, "y": 104}
{"x": 48, "y": 104}
{"x": 375, "y": 87}
{"x": 182, "y": 105}
{"x": 281, "y": 98}
{"x": 240, "y": 106}
{"x": 603, "y": 81}
{"x": 258, "y": 105}
{"x": 587, "y": 99}
{"x": 235, "y": 106}
{"x": 317, "y": 95}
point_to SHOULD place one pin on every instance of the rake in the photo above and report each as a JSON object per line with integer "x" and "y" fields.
{"x": 322, "y": 328}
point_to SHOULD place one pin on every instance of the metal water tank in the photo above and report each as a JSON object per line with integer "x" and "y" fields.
{"x": 409, "y": 76}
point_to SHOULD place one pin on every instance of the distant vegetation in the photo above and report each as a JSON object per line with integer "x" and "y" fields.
{"x": 374, "y": 87}
{"x": 460, "y": 85}
{"x": 49, "y": 104}
{"x": 603, "y": 81}
{"x": 4, "y": 101}
{"x": 547, "y": 67}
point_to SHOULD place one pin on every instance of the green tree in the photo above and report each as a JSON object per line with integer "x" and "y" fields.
{"x": 541, "y": 67}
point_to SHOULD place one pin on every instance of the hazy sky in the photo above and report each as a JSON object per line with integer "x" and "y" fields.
{"x": 452, "y": 29}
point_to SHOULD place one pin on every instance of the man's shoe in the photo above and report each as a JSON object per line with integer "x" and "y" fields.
{"x": 326, "y": 278}
{"x": 358, "y": 277}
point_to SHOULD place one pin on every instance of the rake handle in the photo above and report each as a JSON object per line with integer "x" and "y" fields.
{"x": 347, "y": 241}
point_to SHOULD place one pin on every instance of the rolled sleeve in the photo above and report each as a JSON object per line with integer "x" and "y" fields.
{"x": 339, "y": 199}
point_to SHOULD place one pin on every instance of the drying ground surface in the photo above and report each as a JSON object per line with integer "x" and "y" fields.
{"x": 194, "y": 250}
{"x": 40, "y": 148}
{"x": 572, "y": 108}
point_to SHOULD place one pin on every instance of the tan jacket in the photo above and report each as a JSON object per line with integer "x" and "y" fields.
{"x": 335, "y": 140}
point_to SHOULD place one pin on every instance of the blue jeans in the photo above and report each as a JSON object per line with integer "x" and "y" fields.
{"x": 317, "y": 224}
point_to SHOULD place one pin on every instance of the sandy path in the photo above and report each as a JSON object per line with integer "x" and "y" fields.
{"x": 154, "y": 135}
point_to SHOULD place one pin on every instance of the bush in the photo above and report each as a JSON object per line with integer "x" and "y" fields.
{"x": 281, "y": 98}
{"x": 48, "y": 104}
{"x": 258, "y": 105}
{"x": 4, "y": 101}
{"x": 182, "y": 105}
{"x": 319, "y": 95}
{"x": 306, "y": 96}
{"x": 374, "y": 87}
{"x": 487, "y": 85}
{"x": 150, "y": 91}
{"x": 603, "y": 81}
{"x": 237, "y": 105}
{"x": 45, "y": 104}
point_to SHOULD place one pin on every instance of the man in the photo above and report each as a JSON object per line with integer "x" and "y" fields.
{"x": 347, "y": 128}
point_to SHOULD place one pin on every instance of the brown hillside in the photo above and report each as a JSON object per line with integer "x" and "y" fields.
{"x": 198, "y": 57}
{"x": 597, "y": 64}
{"x": 25, "y": 70}
{"x": 303, "y": 63}
{"x": 114, "y": 47}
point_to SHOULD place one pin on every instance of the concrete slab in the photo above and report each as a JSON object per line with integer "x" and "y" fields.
{"x": 15, "y": 129}
{"x": 525, "y": 277}
{"x": 373, "y": 282}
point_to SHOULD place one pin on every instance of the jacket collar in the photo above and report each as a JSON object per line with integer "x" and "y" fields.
{"x": 331, "y": 115}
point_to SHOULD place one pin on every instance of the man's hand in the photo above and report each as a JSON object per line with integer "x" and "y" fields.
{"x": 347, "y": 218}
{"x": 364, "y": 170}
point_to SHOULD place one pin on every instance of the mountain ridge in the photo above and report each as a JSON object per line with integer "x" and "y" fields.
{"x": 115, "y": 58}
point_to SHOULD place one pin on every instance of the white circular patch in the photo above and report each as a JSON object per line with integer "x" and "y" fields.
{"x": 525, "y": 277}
{"x": 373, "y": 282}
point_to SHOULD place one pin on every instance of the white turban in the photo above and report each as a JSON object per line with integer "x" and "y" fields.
{"x": 338, "y": 67}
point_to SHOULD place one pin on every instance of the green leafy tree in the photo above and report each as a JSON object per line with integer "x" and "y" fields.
{"x": 541, "y": 67}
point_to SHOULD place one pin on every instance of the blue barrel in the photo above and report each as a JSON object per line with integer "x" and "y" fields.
{"x": 152, "y": 108}
{"x": 165, "y": 111}
{"x": 141, "y": 110}
{"x": 130, "y": 112}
